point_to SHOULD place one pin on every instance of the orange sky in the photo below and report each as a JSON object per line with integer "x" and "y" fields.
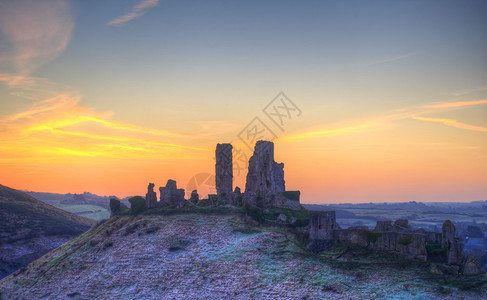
{"x": 81, "y": 110}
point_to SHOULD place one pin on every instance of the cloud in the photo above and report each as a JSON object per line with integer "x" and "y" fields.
{"x": 391, "y": 59}
{"x": 453, "y": 123}
{"x": 62, "y": 120}
{"x": 57, "y": 124}
{"x": 137, "y": 11}
{"x": 468, "y": 91}
{"x": 413, "y": 112}
{"x": 34, "y": 33}
{"x": 456, "y": 104}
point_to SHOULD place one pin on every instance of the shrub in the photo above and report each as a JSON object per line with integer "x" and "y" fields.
{"x": 238, "y": 200}
{"x": 114, "y": 206}
{"x": 254, "y": 212}
{"x": 137, "y": 205}
{"x": 302, "y": 215}
{"x": 404, "y": 241}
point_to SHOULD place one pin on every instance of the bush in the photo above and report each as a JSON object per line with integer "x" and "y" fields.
{"x": 114, "y": 206}
{"x": 302, "y": 215}
{"x": 254, "y": 212}
{"x": 137, "y": 205}
{"x": 292, "y": 195}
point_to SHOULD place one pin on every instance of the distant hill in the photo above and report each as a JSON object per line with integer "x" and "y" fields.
{"x": 220, "y": 256}
{"x": 87, "y": 204}
{"x": 29, "y": 228}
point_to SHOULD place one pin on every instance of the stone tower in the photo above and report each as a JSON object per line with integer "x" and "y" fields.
{"x": 150, "y": 197}
{"x": 223, "y": 169}
{"x": 265, "y": 176}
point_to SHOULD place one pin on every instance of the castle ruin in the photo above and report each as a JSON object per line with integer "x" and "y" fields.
{"x": 265, "y": 190}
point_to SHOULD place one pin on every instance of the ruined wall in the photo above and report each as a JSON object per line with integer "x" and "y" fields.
{"x": 405, "y": 244}
{"x": 172, "y": 195}
{"x": 322, "y": 225}
{"x": 454, "y": 246}
{"x": 264, "y": 175}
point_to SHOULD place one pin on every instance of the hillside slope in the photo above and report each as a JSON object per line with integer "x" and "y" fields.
{"x": 215, "y": 256}
{"x": 29, "y": 228}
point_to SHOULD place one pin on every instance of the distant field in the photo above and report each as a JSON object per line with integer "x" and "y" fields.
{"x": 86, "y": 210}
{"x": 94, "y": 212}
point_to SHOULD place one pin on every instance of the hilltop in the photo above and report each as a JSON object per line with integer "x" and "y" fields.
{"x": 30, "y": 228}
{"x": 221, "y": 255}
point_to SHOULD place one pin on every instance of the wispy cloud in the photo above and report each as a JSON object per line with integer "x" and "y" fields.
{"x": 469, "y": 91}
{"x": 456, "y": 104}
{"x": 365, "y": 125}
{"x": 391, "y": 59}
{"x": 34, "y": 32}
{"x": 137, "y": 11}
{"x": 453, "y": 123}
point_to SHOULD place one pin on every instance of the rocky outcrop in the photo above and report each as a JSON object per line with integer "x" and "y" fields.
{"x": 453, "y": 245}
{"x": 471, "y": 266}
{"x": 150, "y": 197}
{"x": 223, "y": 169}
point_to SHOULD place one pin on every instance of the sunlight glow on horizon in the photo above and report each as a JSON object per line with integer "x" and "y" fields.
{"x": 397, "y": 114}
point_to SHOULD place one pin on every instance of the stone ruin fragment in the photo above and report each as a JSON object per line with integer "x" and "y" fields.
{"x": 322, "y": 226}
{"x": 265, "y": 185}
{"x": 453, "y": 245}
{"x": 172, "y": 195}
{"x": 150, "y": 197}
{"x": 223, "y": 169}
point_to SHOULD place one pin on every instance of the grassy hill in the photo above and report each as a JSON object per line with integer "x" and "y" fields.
{"x": 197, "y": 255}
{"x": 29, "y": 228}
{"x": 95, "y": 207}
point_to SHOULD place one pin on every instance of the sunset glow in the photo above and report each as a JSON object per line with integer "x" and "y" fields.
{"x": 142, "y": 91}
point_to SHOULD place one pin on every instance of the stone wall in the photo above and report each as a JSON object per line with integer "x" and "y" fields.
{"x": 322, "y": 224}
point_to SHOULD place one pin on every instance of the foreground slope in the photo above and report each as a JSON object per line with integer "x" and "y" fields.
{"x": 214, "y": 256}
{"x": 29, "y": 228}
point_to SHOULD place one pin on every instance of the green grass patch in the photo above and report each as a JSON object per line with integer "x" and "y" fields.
{"x": 292, "y": 195}
{"x": 302, "y": 215}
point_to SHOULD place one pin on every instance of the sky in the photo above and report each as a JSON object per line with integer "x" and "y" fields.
{"x": 366, "y": 101}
